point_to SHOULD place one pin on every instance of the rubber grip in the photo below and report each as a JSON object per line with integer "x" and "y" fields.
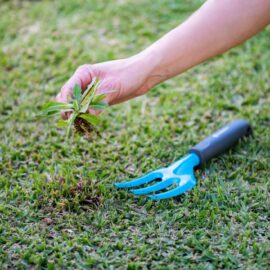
{"x": 221, "y": 140}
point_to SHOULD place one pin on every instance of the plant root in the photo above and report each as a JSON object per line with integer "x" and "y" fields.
{"x": 81, "y": 126}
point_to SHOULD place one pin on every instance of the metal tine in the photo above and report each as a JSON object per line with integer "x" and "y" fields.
{"x": 140, "y": 181}
{"x": 189, "y": 184}
{"x": 156, "y": 187}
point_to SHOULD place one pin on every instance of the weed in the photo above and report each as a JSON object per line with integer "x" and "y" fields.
{"x": 78, "y": 107}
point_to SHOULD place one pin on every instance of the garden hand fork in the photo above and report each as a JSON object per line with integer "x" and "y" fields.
{"x": 180, "y": 174}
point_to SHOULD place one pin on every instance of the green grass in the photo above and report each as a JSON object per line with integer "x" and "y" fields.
{"x": 58, "y": 206}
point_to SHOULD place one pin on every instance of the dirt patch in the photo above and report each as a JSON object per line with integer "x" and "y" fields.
{"x": 80, "y": 195}
{"x": 48, "y": 221}
{"x": 80, "y": 188}
{"x": 93, "y": 201}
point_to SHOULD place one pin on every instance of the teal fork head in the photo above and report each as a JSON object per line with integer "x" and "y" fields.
{"x": 173, "y": 180}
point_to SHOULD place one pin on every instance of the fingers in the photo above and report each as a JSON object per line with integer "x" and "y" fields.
{"x": 94, "y": 112}
{"x": 82, "y": 77}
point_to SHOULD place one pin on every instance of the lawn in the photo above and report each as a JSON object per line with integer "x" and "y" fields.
{"x": 58, "y": 205}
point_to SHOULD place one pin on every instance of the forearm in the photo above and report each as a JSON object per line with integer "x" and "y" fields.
{"x": 215, "y": 28}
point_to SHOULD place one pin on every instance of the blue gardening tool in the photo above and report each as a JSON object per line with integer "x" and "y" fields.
{"x": 179, "y": 177}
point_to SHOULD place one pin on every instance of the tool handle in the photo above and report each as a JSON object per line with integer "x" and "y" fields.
{"x": 221, "y": 140}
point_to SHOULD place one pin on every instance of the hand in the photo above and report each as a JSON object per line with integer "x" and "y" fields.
{"x": 121, "y": 79}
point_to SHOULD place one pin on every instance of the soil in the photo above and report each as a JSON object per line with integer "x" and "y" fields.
{"x": 48, "y": 221}
{"x": 81, "y": 126}
{"x": 90, "y": 200}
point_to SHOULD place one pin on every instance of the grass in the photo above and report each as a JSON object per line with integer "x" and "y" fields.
{"x": 58, "y": 206}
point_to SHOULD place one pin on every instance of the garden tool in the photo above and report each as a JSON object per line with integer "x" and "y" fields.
{"x": 179, "y": 176}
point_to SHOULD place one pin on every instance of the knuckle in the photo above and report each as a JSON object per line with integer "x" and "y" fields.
{"x": 65, "y": 92}
{"x": 64, "y": 89}
{"x": 58, "y": 97}
{"x": 83, "y": 68}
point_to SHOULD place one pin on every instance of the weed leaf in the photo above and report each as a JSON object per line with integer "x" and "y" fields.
{"x": 54, "y": 107}
{"x": 71, "y": 122}
{"x": 76, "y": 105}
{"x": 55, "y": 104}
{"x": 90, "y": 118}
{"x": 77, "y": 93}
{"x": 99, "y": 106}
{"x": 62, "y": 123}
{"x": 98, "y": 98}
{"x": 88, "y": 98}
{"x": 89, "y": 87}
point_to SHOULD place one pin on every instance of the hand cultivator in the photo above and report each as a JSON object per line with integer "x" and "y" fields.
{"x": 179, "y": 177}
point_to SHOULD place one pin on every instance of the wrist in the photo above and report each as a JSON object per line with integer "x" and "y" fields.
{"x": 149, "y": 63}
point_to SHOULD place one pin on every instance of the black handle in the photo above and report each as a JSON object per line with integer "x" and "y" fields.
{"x": 221, "y": 140}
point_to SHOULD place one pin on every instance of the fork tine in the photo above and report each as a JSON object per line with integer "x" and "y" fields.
{"x": 174, "y": 192}
{"x": 156, "y": 187}
{"x": 139, "y": 181}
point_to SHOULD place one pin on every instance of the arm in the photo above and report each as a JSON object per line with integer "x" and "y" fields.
{"x": 213, "y": 29}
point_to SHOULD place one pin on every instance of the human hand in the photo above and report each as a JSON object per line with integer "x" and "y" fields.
{"x": 120, "y": 80}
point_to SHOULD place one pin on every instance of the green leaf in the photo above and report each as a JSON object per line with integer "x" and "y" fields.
{"x": 55, "y": 107}
{"x": 51, "y": 104}
{"x": 62, "y": 123}
{"x": 76, "y": 105}
{"x": 71, "y": 122}
{"x": 98, "y": 98}
{"x": 87, "y": 100}
{"x": 45, "y": 115}
{"x": 88, "y": 89}
{"x": 77, "y": 92}
{"x": 99, "y": 106}
{"x": 90, "y": 118}
{"x": 85, "y": 104}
